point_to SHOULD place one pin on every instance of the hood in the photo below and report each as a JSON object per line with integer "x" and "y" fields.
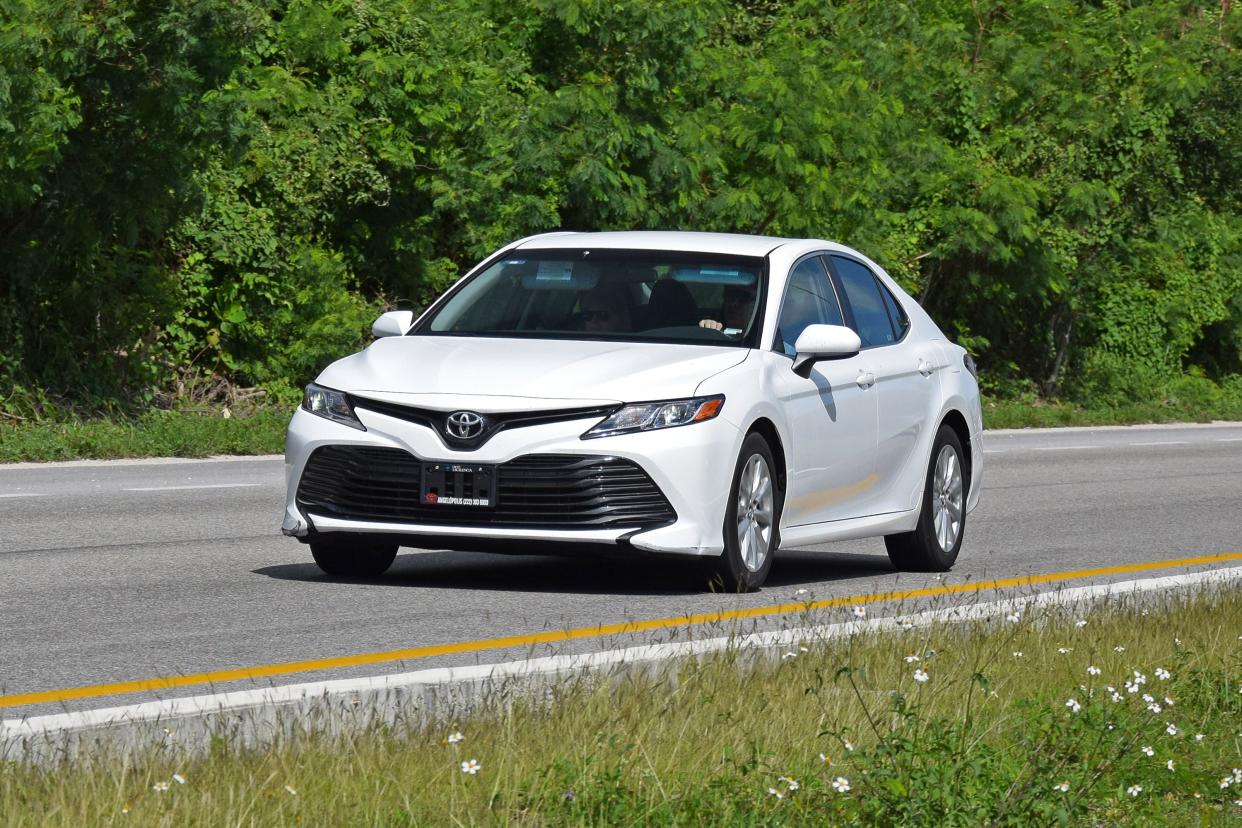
{"x": 440, "y": 371}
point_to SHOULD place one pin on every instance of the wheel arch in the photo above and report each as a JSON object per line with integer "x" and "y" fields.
{"x": 766, "y": 429}
{"x": 956, "y": 420}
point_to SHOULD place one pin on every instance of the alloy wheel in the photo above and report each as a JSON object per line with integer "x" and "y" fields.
{"x": 754, "y": 513}
{"x": 947, "y": 498}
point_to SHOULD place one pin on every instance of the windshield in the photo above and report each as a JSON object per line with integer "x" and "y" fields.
{"x": 645, "y": 296}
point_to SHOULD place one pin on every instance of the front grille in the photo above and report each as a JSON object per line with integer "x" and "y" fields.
{"x": 492, "y": 422}
{"x": 555, "y": 491}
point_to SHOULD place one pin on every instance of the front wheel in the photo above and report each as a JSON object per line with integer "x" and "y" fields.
{"x": 752, "y": 520}
{"x": 936, "y": 540}
{"x": 353, "y": 559}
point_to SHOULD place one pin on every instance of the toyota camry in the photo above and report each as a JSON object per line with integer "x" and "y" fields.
{"x": 701, "y": 395}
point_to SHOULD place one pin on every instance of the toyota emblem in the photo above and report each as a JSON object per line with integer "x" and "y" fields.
{"x": 464, "y": 425}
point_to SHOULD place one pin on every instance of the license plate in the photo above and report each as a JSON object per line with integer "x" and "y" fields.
{"x": 457, "y": 484}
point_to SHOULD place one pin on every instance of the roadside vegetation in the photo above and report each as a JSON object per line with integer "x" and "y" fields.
{"x": 202, "y": 431}
{"x": 193, "y": 190}
{"x": 1121, "y": 714}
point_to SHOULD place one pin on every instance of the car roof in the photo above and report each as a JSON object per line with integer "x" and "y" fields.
{"x": 734, "y": 244}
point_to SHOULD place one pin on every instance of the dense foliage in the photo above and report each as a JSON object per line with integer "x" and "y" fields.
{"x": 237, "y": 186}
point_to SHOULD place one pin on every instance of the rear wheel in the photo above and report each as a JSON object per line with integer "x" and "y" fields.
{"x": 353, "y": 559}
{"x": 936, "y": 540}
{"x": 752, "y": 521}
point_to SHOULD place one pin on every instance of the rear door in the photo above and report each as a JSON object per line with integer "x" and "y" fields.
{"x": 906, "y": 381}
{"x": 831, "y": 413}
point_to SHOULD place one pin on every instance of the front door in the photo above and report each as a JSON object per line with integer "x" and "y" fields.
{"x": 832, "y": 414}
{"x": 907, "y": 385}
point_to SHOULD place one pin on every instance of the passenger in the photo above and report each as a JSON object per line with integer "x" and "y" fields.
{"x": 605, "y": 310}
{"x": 735, "y": 310}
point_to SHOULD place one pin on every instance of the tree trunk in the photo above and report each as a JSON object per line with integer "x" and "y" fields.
{"x": 1053, "y": 383}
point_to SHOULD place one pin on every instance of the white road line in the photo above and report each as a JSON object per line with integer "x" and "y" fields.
{"x": 389, "y": 692}
{"x": 1063, "y": 448}
{"x": 1229, "y": 439}
{"x": 203, "y": 486}
{"x": 24, "y": 494}
{"x": 994, "y": 451}
{"x": 1164, "y": 443}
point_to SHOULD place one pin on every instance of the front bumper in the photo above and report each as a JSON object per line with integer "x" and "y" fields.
{"x": 691, "y": 466}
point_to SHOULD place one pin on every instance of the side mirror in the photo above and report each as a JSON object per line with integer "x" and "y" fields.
{"x": 824, "y": 342}
{"x": 393, "y": 323}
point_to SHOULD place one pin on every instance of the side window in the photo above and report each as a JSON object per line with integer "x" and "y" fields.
{"x": 866, "y": 301}
{"x": 809, "y": 300}
{"x": 901, "y": 322}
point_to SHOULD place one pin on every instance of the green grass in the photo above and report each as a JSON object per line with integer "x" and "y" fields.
{"x": 154, "y": 434}
{"x": 191, "y": 434}
{"x": 1037, "y": 413}
{"x": 984, "y": 741}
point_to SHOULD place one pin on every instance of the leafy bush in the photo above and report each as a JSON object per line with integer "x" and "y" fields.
{"x": 234, "y": 187}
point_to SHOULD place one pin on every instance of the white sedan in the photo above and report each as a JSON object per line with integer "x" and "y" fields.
{"x": 647, "y": 393}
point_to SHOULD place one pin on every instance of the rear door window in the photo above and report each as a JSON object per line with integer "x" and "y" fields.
{"x": 866, "y": 299}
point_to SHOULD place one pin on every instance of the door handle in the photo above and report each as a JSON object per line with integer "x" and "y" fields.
{"x": 925, "y": 367}
{"x": 866, "y": 379}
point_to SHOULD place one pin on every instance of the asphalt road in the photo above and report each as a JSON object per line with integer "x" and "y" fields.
{"x": 117, "y": 571}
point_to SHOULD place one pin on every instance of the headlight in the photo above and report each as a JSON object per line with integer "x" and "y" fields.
{"x": 331, "y": 405}
{"x": 649, "y": 416}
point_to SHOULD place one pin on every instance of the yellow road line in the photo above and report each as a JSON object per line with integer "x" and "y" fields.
{"x": 526, "y": 640}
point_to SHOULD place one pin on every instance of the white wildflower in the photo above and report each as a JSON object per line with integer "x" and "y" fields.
{"x": 841, "y": 784}
{"x": 1080, "y": 623}
{"x": 910, "y": 659}
{"x": 163, "y": 786}
{"x": 1119, "y": 649}
{"x": 1073, "y": 705}
{"x": 1169, "y": 764}
{"x": 920, "y": 675}
{"x": 860, "y": 612}
{"x": 1163, "y": 674}
{"x": 1062, "y": 786}
{"x": 455, "y": 737}
{"x": 1093, "y": 670}
{"x": 1065, "y": 650}
{"x": 1013, "y": 617}
{"x": 1171, "y": 729}
{"x": 1134, "y": 790}
{"x": 471, "y": 766}
{"x": 289, "y": 789}
{"x": 774, "y": 792}
{"x": 179, "y": 779}
{"x": 1017, "y": 654}
{"x": 1148, "y": 750}
{"x": 1199, "y": 737}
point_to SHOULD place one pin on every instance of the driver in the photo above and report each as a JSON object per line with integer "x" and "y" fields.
{"x": 735, "y": 310}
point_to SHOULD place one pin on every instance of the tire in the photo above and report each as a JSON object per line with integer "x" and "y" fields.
{"x": 353, "y": 559}
{"x": 944, "y": 494}
{"x": 749, "y": 545}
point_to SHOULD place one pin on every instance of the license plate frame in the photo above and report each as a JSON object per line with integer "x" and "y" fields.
{"x": 459, "y": 485}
